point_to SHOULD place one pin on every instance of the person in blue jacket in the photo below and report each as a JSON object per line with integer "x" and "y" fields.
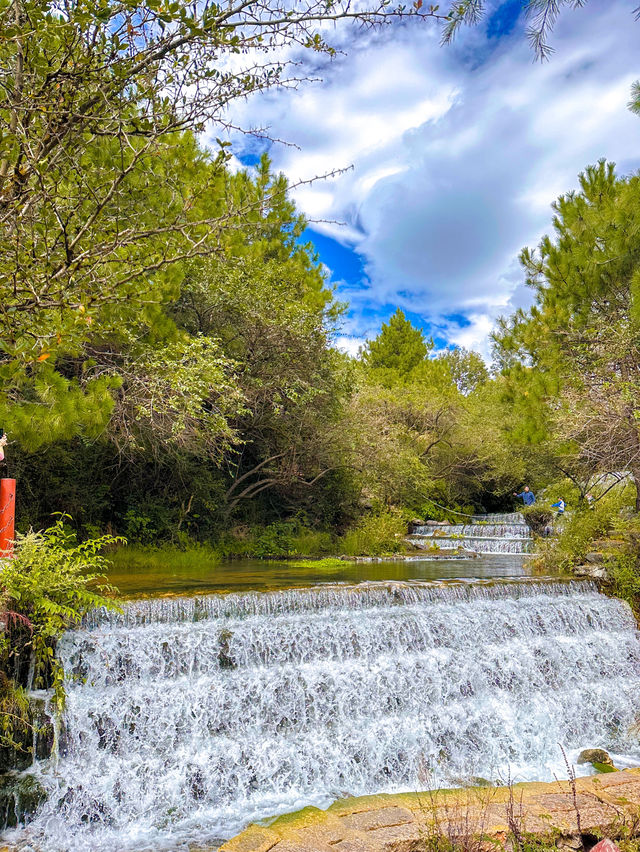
{"x": 528, "y": 497}
{"x": 559, "y": 506}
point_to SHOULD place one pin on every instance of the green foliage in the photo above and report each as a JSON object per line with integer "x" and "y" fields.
{"x": 537, "y": 517}
{"x": 277, "y": 540}
{"x": 623, "y": 573}
{"x": 48, "y": 585}
{"x": 328, "y": 564}
{"x": 571, "y": 361}
{"x": 46, "y": 588}
{"x": 468, "y": 370}
{"x": 581, "y": 529}
{"x": 397, "y": 350}
{"x": 16, "y": 720}
{"x": 134, "y": 558}
{"x": 454, "y": 514}
{"x": 375, "y": 535}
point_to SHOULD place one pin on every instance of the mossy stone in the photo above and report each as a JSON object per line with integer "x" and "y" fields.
{"x": 20, "y": 797}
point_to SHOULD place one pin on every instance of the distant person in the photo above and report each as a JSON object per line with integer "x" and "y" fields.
{"x": 591, "y": 501}
{"x": 560, "y": 507}
{"x": 4, "y": 472}
{"x": 528, "y": 497}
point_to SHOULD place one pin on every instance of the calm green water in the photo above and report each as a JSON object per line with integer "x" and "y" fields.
{"x": 245, "y": 574}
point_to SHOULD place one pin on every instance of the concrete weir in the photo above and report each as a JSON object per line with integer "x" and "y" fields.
{"x": 606, "y": 804}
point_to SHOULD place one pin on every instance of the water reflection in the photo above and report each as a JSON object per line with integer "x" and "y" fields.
{"x": 246, "y": 574}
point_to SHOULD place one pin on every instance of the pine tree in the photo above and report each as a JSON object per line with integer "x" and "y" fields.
{"x": 400, "y": 346}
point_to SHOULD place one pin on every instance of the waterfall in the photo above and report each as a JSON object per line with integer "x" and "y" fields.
{"x": 485, "y": 534}
{"x": 186, "y": 718}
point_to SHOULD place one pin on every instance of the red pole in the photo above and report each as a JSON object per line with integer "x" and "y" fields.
{"x": 7, "y": 516}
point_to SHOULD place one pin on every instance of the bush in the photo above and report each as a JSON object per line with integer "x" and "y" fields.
{"x": 375, "y": 535}
{"x": 623, "y": 571}
{"x": 538, "y": 518}
{"x": 278, "y": 540}
{"x": 582, "y": 528}
{"x": 48, "y": 585}
{"x": 456, "y": 514}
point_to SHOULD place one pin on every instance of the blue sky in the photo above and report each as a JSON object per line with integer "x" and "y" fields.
{"x": 455, "y": 156}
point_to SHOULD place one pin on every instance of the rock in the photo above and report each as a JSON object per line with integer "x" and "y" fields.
{"x": 594, "y": 558}
{"x": 21, "y": 794}
{"x": 92, "y": 810}
{"x": 225, "y": 656}
{"x": 594, "y": 572}
{"x": 561, "y": 814}
{"x": 572, "y": 842}
{"x": 20, "y": 757}
{"x": 605, "y": 845}
{"x": 608, "y": 544}
{"x": 472, "y": 781}
{"x": 594, "y": 755}
{"x": 416, "y": 522}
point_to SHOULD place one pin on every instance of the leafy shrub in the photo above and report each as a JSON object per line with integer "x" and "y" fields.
{"x": 375, "y": 535}
{"x": 581, "y": 529}
{"x": 455, "y": 514}
{"x": 278, "y": 540}
{"x": 537, "y": 517}
{"x": 308, "y": 542}
{"x": 139, "y": 527}
{"x": 48, "y": 585}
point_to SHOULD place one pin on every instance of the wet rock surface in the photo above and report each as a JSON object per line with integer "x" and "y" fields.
{"x": 593, "y": 756}
{"x": 21, "y": 794}
{"x": 403, "y": 822}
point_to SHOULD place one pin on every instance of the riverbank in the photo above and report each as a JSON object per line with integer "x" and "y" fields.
{"x": 565, "y": 814}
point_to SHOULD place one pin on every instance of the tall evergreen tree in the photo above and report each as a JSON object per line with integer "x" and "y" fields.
{"x": 574, "y": 358}
{"x": 400, "y": 346}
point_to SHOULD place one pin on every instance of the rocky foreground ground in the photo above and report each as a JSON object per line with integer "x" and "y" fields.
{"x": 570, "y": 814}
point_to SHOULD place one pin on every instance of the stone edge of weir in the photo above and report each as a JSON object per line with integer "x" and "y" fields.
{"x": 400, "y": 822}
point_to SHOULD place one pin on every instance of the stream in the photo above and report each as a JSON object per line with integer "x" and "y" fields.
{"x": 253, "y": 689}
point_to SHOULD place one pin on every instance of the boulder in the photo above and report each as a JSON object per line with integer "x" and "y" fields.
{"x": 609, "y": 544}
{"x": 594, "y": 558}
{"x": 593, "y": 572}
{"x": 21, "y": 794}
{"x": 594, "y": 755}
{"x": 605, "y": 845}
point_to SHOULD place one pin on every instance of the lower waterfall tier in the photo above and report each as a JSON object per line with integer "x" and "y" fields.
{"x": 186, "y": 719}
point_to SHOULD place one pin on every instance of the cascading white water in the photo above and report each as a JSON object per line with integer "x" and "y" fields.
{"x": 497, "y": 518}
{"x": 187, "y": 718}
{"x": 486, "y": 534}
{"x": 476, "y": 530}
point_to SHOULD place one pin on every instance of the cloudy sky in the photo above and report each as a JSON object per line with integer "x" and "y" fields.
{"x": 456, "y": 155}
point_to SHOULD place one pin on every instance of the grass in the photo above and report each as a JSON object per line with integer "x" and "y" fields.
{"x": 375, "y": 535}
{"x": 327, "y": 564}
{"x": 137, "y": 557}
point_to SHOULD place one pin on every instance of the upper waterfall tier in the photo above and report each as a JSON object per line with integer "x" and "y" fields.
{"x": 485, "y": 534}
{"x": 187, "y": 718}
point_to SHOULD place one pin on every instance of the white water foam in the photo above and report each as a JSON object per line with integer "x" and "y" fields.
{"x": 486, "y": 534}
{"x": 187, "y": 718}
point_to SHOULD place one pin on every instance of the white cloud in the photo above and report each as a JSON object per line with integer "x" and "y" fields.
{"x": 350, "y": 345}
{"x": 457, "y": 154}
